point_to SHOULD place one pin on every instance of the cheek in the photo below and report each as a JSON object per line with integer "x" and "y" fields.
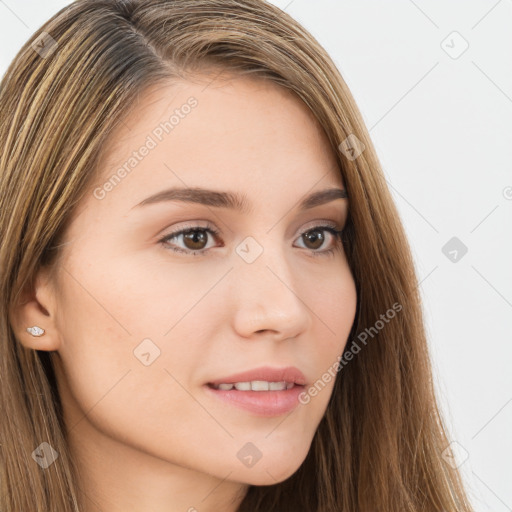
{"x": 126, "y": 379}
{"x": 334, "y": 310}
{"x": 124, "y": 321}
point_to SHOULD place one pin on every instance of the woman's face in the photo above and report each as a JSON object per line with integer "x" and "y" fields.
{"x": 147, "y": 320}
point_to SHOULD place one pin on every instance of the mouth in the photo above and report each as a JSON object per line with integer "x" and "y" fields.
{"x": 263, "y": 392}
{"x": 255, "y": 385}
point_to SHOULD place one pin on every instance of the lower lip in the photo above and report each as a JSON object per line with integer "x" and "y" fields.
{"x": 261, "y": 403}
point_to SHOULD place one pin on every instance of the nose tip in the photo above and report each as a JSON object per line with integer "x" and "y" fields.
{"x": 269, "y": 309}
{"x": 263, "y": 294}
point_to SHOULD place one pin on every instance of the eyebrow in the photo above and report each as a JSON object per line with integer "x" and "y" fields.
{"x": 235, "y": 201}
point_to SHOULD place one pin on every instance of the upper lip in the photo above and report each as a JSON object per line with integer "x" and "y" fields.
{"x": 265, "y": 373}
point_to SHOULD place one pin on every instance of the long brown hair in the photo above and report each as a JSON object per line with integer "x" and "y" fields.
{"x": 380, "y": 443}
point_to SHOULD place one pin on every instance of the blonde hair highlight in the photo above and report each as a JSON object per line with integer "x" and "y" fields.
{"x": 380, "y": 444}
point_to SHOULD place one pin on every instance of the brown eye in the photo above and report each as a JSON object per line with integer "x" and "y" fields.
{"x": 192, "y": 240}
{"x": 195, "y": 240}
{"x": 315, "y": 237}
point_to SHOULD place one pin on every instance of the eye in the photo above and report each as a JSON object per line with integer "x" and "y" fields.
{"x": 316, "y": 238}
{"x": 195, "y": 239}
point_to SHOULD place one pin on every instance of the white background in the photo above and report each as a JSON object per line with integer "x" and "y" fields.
{"x": 442, "y": 126}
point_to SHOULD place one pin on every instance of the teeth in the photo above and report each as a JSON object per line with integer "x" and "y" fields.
{"x": 225, "y": 387}
{"x": 243, "y": 386}
{"x": 259, "y": 385}
{"x": 255, "y": 385}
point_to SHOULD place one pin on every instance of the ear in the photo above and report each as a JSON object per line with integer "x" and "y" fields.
{"x": 37, "y": 307}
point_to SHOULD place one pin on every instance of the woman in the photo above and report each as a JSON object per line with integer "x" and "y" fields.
{"x": 209, "y": 300}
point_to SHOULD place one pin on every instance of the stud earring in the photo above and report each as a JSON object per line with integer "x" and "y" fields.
{"x": 35, "y": 331}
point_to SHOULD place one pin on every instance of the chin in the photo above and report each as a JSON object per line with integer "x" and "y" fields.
{"x": 269, "y": 475}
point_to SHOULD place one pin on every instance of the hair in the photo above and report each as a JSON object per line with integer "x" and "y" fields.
{"x": 380, "y": 443}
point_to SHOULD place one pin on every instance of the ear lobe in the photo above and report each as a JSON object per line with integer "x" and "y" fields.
{"x": 36, "y": 307}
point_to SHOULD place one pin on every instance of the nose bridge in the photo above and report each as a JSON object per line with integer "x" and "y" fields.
{"x": 265, "y": 294}
{"x": 263, "y": 261}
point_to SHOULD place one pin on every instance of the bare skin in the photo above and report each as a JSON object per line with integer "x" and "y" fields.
{"x": 150, "y": 436}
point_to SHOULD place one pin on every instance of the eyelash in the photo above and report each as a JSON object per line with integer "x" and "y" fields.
{"x": 338, "y": 235}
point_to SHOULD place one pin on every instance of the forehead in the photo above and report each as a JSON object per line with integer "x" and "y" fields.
{"x": 236, "y": 111}
{"x": 238, "y": 133}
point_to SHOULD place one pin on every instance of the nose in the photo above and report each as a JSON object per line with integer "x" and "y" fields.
{"x": 267, "y": 299}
